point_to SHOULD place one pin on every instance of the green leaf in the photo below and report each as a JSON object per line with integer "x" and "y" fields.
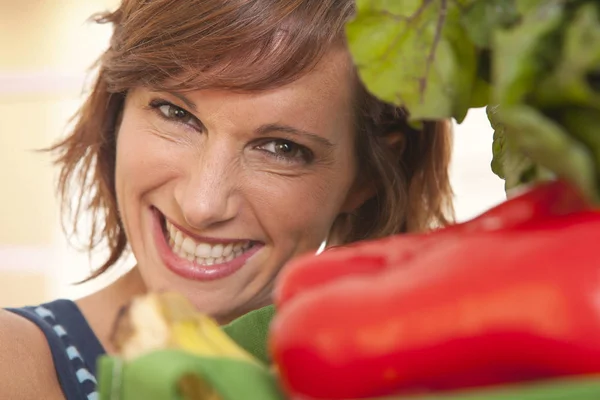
{"x": 525, "y": 7}
{"x": 507, "y": 162}
{"x": 415, "y": 54}
{"x": 577, "y": 75}
{"x": 577, "y": 388}
{"x": 480, "y": 95}
{"x": 533, "y": 58}
{"x": 584, "y": 125}
{"x": 251, "y": 331}
{"x": 522, "y": 53}
{"x": 499, "y": 148}
{"x": 545, "y": 141}
{"x": 544, "y": 69}
{"x": 158, "y": 376}
{"x": 483, "y": 17}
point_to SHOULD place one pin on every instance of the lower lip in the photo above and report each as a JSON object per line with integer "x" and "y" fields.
{"x": 191, "y": 270}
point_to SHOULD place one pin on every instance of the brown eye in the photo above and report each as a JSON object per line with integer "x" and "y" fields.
{"x": 283, "y": 148}
{"x": 173, "y": 112}
{"x": 287, "y": 150}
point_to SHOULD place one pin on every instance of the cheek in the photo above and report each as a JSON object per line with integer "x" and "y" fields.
{"x": 301, "y": 209}
{"x": 143, "y": 163}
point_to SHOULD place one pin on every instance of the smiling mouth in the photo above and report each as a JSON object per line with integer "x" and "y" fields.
{"x": 202, "y": 253}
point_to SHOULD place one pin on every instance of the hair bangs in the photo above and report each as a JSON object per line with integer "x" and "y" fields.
{"x": 208, "y": 44}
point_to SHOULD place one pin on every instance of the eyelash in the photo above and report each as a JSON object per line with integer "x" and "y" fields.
{"x": 156, "y": 105}
{"x": 306, "y": 154}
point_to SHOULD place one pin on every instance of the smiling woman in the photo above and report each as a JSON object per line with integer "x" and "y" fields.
{"x": 222, "y": 139}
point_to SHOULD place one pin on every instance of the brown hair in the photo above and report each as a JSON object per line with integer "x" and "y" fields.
{"x": 244, "y": 45}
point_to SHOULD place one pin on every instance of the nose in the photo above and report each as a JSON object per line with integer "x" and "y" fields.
{"x": 207, "y": 195}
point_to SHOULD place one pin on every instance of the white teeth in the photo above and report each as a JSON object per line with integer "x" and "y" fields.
{"x": 188, "y": 246}
{"x": 238, "y": 246}
{"x": 227, "y": 250}
{"x": 178, "y": 238}
{"x": 203, "y": 253}
{"x": 203, "y": 250}
{"x": 217, "y": 251}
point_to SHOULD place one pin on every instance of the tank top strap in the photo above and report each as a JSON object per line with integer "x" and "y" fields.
{"x": 74, "y": 346}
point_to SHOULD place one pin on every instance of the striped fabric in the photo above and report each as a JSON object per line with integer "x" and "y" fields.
{"x": 73, "y": 344}
{"x": 85, "y": 378}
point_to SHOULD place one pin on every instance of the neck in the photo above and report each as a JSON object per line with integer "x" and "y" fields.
{"x": 102, "y": 308}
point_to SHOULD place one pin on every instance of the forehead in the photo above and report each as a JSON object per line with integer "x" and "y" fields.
{"x": 324, "y": 90}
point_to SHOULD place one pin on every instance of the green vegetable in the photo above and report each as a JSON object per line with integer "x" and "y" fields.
{"x": 580, "y": 388}
{"x": 416, "y": 53}
{"x": 520, "y": 53}
{"x": 584, "y": 124}
{"x": 250, "y": 332}
{"x": 534, "y": 63}
{"x": 519, "y": 168}
{"x": 545, "y": 141}
{"x": 576, "y": 78}
{"x": 231, "y": 379}
{"x": 482, "y": 18}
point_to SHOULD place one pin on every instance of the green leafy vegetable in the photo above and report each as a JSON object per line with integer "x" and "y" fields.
{"x": 416, "y": 53}
{"x": 250, "y": 332}
{"x": 515, "y": 168}
{"x": 584, "y": 123}
{"x": 180, "y": 375}
{"x": 520, "y": 53}
{"x": 549, "y": 144}
{"x": 576, "y": 78}
{"x": 534, "y": 63}
{"x": 578, "y": 388}
{"x": 482, "y": 18}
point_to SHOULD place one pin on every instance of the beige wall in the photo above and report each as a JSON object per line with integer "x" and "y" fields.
{"x": 50, "y": 34}
{"x": 27, "y": 215}
{"x": 45, "y": 50}
{"x": 23, "y": 288}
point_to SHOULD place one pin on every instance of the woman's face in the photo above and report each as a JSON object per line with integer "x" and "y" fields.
{"x": 218, "y": 190}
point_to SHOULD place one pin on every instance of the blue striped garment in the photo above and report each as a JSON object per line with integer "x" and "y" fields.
{"x": 74, "y": 346}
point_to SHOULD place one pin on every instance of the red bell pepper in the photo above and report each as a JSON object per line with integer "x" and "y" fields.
{"x": 479, "y": 308}
{"x": 546, "y": 200}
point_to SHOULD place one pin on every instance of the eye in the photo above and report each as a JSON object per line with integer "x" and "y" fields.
{"x": 287, "y": 150}
{"x": 173, "y": 113}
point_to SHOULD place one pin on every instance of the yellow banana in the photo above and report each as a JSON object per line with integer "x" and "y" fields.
{"x": 169, "y": 321}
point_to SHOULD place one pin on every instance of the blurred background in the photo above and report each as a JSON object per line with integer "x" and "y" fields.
{"x": 46, "y": 51}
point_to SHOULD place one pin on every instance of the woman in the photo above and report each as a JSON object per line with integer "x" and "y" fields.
{"x": 221, "y": 139}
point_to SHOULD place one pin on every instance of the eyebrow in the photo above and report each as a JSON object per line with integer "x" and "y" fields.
{"x": 269, "y": 128}
{"x": 265, "y": 129}
{"x": 185, "y": 99}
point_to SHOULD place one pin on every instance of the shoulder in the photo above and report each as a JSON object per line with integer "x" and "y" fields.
{"x": 26, "y": 366}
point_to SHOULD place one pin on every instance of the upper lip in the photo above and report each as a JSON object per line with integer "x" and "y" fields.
{"x": 202, "y": 239}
